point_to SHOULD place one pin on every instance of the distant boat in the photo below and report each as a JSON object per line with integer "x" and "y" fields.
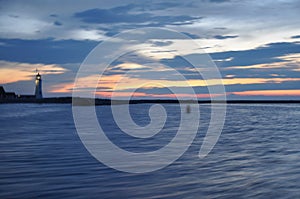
{"x": 188, "y": 108}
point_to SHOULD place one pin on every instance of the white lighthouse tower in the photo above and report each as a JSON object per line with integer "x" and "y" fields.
{"x": 38, "y": 86}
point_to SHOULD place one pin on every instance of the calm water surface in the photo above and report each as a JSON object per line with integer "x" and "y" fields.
{"x": 257, "y": 155}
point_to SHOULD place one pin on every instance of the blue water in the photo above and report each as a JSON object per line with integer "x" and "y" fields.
{"x": 257, "y": 156}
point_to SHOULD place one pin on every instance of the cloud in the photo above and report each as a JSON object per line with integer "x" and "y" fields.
{"x": 225, "y": 36}
{"x": 268, "y": 53}
{"x": 47, "y": 51}
{"x": 193, "y": 36}
{"x": 155, "y": 6}
{"x": 57, "y": 23}
{"x": 269, "y": 93}
{"x": 295, "y": 37}
{"x": 219, "y": 1}
{"x": 53, "y": 15}
{"x": 13, "y": 71}
{"x": 176, "y": 62}
{"x": 288, "y": 66}
{"x": 289, "y": 85}
{"x": 162, "y": 43}
{"x": 124, "y": 14}
{"x": 12, "y": 26}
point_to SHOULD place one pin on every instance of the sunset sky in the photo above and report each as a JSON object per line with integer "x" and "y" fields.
{"x": 254, "y": 43}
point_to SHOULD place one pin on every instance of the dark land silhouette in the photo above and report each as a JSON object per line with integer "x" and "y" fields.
{"x": 98, "y": 101}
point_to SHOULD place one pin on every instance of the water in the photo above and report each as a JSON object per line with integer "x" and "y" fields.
{"x": 257, "y": 155}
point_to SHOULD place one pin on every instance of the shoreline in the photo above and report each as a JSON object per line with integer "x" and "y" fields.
{"x": 98, "y": 102}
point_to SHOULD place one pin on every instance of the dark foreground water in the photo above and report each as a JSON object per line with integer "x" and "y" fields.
{"x": 257, "y": 156}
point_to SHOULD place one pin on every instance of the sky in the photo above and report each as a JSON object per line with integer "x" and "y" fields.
{"x": 255, "y": 45}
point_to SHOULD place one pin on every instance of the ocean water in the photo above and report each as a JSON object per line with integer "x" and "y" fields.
{"x": 257, "y": 155}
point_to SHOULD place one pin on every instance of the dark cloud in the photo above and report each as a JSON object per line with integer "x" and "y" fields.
{"x": 162, "y": 43}
{"x": 220, "y": 28}
{"x": 225, "y": 36}
{"x": 53, "y": 15}
{"x": 109, "y": 16}
{"x": 57, "y": 23}
{"x": 13, "y": 16}
{"x": 288, "y": 85}
{"x": 47, "y": 51}
{"x": 260, "y": 55}
{"x": 193, "y": 36}
{"x": 284, "y": 72}
{"x": 176, "y": 62}
{"x": 295, "y": 37}
{"x": 219, "y": 1}
{"x": 145, "y": 6}
{"x": 110, "y": 33}
{"x": 124, "y": 14}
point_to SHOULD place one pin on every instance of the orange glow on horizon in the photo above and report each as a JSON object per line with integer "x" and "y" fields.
{"x": 269, "y": 93}
{"x": 119, "y": 84}
{"x": 141, "y": 94}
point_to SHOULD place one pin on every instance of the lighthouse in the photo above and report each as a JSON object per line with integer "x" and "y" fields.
{"x": 38, "y": 86}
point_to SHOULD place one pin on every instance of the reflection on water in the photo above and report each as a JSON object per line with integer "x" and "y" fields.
{"x": 258, "y": 155}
